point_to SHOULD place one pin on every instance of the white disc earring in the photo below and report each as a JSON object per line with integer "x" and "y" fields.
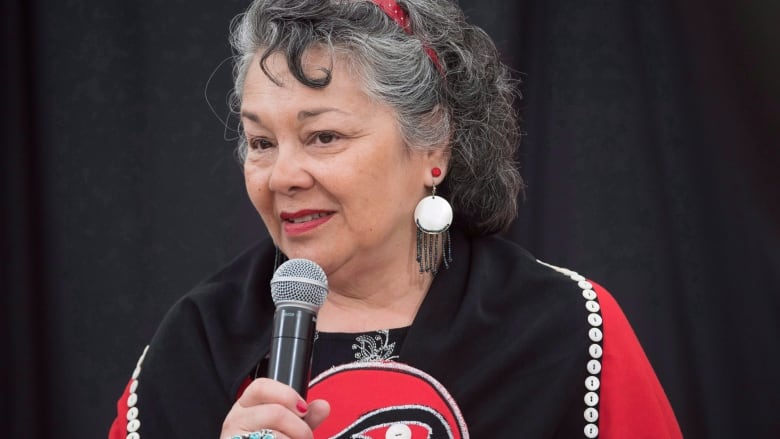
{"x": 433, "y": 217}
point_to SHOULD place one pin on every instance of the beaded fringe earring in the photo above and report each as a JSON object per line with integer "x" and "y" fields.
{"x": 433, "y": 216}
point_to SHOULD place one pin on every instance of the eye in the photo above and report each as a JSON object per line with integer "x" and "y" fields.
{"x": 259, "y": 143}
{"x": 397, "y": 430}
{"x": 325, "y": 137}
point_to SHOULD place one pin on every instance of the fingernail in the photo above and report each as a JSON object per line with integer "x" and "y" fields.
{"x": 302, "y": 406}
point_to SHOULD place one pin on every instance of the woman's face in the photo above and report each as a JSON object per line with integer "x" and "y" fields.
{"x": 328, "y": 171}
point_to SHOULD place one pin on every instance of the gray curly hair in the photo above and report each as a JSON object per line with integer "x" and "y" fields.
{"x": 464, "y": 102}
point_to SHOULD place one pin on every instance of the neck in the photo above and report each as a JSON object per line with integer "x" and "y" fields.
{"x": 377, "y": 299}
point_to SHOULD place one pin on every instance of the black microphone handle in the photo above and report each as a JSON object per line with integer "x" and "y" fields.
{"x": 291, "y": 346}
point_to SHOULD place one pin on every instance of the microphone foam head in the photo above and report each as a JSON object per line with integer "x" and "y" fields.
{"x": 301, "y": 281}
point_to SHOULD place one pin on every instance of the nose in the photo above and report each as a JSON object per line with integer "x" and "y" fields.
{"x": 289, "y": 174}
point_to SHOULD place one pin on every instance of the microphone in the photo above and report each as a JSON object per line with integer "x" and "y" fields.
{"x": 298, "y": 289}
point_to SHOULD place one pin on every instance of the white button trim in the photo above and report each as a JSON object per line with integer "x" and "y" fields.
{"x": 585, "y": 285}
{"x": 132, "y": 399}
{"x": 595, "y": 351}
{"x": 595, "y": 319}
{"x": 595, "y": 334}
{"x": 132, "y": 413}
{"x": 591, "y": 431}
{"x": 133, "y": 423}
{"x": 592, "y": 383}
{"x": 591, "y": 414}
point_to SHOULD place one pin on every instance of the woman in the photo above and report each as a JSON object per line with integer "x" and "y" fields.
{"x": 354, "y": 112}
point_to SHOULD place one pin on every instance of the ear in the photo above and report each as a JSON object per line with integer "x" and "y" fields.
{"x": 436, "y": 158}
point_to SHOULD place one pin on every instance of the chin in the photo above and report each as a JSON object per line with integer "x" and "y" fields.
{"x": 322, "y": 257}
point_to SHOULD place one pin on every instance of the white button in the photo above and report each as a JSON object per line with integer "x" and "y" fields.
{"x": 594, "y": 367}
{"x": 591, "y": 399}
{"x": 577, "y": 277}
{"x": 133, "y": 386}
{"x": 132, "y": 399}
{"x": 585, "y": 285}
{"x": 591, "y": 431}
{"x": 595, "y": 334}
{"x": 136, "y": 372}
{"x": 592, "y": 383}
{"x": 594, "y": 319}
{"x": 589, "y": 294}
{"x": 591, "y": 414}
{"x": 133, "y": 425}
{"x": 398, "y": 431}
{"x": 132, "y": 413}
{"x": 595, "y": 351}
{"x": 592, "y": 306}
{"x": 133, "y": 435}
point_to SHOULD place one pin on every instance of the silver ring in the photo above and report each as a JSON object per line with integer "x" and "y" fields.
{"x": 262, "y": 434}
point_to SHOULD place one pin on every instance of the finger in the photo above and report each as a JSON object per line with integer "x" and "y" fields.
{"x": 244, "y": 420}
{"x": 319, "y": 409}
{"x": 268, "y": 391}
{"x": 262, "y": 434}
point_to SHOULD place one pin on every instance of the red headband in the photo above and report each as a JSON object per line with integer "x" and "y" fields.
{"x": 394, "y": 11}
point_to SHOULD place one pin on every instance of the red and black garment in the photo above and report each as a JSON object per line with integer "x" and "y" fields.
{"x": 504, "y": 339}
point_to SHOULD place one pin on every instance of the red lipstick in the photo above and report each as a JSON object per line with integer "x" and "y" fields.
{"x": 296, "y": 223}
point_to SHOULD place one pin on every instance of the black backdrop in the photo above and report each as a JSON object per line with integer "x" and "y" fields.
{"x": 651, "y": 156}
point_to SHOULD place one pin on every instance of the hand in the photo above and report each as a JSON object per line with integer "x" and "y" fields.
{"x": 268, "y": 404}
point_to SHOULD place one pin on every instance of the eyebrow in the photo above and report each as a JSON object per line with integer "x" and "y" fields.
{"x": 306, "y": 114}
{"x": 303, "y": 114}
{"x": 251, "y": 116}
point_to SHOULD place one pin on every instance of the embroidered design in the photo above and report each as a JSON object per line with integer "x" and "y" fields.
{"x": 375, "y": 347}
{"x": 419, "y": 405}
{"x": 595, "y": 350}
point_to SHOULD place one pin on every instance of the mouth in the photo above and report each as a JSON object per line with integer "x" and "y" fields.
{"x": 304, "y": 216}
{"x": 298, "y": 218}
{"x": 304, "y": 221}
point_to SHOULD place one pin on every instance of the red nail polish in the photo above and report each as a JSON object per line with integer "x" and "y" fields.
{"x": 302, "y": 406}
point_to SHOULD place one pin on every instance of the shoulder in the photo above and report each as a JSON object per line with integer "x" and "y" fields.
{"x": 623, "y": 397}
{"x": 499, "y": 257}
{"x": 537, "y": 323}
{"x": 534, "y": 307}
{"x": 517, "y": 277}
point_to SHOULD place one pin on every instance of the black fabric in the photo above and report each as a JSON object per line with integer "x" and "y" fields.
{"x": 336, "y": 348}
{"x": 651, "y": 156}
{"x": 515, "y": 326}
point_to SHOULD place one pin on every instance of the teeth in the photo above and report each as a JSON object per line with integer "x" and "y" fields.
{"x": 303, "y": 219}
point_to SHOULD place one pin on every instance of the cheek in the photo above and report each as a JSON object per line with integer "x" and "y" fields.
{"x": 256, "y": 183}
